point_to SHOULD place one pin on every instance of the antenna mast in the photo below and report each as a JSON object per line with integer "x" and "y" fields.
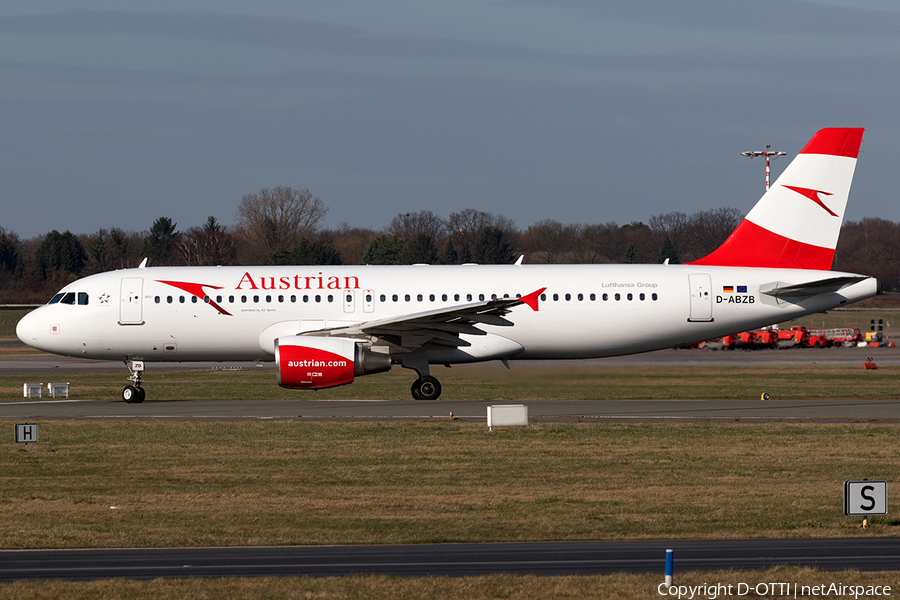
{"x": 768, "y": 153}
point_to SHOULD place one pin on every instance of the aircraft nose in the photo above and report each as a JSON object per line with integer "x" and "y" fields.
{"x": 26, "y": 329}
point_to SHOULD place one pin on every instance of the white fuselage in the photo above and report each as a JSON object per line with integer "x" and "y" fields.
{"x": 587, "y": 311}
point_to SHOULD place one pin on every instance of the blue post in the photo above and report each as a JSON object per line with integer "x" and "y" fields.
{"x": 669, "y": 568}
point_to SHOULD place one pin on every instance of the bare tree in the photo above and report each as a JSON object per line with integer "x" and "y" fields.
{"x": 409, "y": 226}
{"x": 465, "y": 226}
{"x": 278, "y": 218}
{"x": 549, "y": 241}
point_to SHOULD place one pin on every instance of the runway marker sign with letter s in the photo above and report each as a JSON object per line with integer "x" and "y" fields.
{"x": 865, "y": 498}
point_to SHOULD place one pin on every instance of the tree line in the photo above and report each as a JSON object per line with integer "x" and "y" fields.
{"x": 282, "y": 225}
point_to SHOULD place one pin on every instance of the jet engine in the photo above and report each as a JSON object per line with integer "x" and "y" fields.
{"x": 312, "y": 363}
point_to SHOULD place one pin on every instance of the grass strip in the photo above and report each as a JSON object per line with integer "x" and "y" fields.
{"x": 149, "y": 484}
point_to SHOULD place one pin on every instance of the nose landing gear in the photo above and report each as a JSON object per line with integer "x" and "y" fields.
{"x": 134, "y": 394}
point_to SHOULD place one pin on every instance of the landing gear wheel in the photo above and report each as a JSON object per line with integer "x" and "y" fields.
{"x": 140, "y": 396}
{"x": 131, "y": 394}
{"x": 426, "y": 388}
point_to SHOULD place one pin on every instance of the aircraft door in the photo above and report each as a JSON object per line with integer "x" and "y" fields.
{"x": 130, "y": 307}
{"x": 701, "y": 297}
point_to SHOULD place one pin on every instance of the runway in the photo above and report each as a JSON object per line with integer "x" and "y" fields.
{"x": 304, "y": 408}
{"x": 541, "y": 411}
{"x": 540, "y": 558}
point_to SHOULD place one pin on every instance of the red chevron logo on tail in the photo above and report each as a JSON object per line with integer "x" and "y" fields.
{"x": 814, "y": 196}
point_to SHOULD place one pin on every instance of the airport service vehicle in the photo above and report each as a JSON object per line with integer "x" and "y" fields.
{"x": 324, "y": 326}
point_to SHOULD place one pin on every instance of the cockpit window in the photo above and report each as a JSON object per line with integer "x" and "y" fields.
{"x": 82, "y": 298}
{"x": 55, "y": 298}
{"x": 68, "y": 298}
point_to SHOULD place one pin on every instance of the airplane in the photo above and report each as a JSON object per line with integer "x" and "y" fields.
{"x": 325, "y": 325}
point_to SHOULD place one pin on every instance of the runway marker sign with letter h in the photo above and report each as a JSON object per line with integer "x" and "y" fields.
{"x": 26, "y": 433}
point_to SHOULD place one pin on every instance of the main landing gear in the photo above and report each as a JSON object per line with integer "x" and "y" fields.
{"x": 134, "y": 394}
{"x": 425, "y": 387}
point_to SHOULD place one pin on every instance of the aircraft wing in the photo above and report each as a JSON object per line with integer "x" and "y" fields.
{"x": 813, "y": 288}
{"x": 441, "y": 326}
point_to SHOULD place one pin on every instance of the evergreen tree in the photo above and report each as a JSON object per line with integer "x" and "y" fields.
{"x": 383, "y": 251}
{"x": 160, "y": 241}
{"x": 667, "y": 250}
{"x": 493, "y": 247}
{"x": 449, "y": 255}
{"x": 419, "y": 250}
{"x": 59, "y": 252}
{"x": 306, "y": 252}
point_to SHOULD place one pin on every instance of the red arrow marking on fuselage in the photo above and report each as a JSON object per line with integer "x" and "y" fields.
{"x": 196, "y": 289}
{"x": 814, "y": 196}
{"x": 532, "y": 298}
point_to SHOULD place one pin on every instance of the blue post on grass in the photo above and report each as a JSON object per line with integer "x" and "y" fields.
{"x": 670, "y": 564}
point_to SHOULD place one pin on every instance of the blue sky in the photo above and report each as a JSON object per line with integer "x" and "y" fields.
{"x": 116, "y": 113}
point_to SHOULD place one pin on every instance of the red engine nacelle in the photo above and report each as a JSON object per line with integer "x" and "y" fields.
{"x": 312, "y": 363}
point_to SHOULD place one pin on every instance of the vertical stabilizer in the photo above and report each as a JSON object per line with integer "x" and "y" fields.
{"x": 797, "y": 221}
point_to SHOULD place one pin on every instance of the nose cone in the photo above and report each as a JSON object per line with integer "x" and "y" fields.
{"x": 27, "y": 329}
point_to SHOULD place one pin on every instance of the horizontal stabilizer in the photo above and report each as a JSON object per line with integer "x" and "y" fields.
{"x": 814, "y": 288}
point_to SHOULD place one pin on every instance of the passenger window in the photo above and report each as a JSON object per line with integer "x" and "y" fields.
{"x": 630, "y": 296}
{"x": 82, "y": 298}
{"x": 206, "y": 299}
{"x": 330, "y": 298}
{"x": 368, "y": 298}
{"x": 618, "y": 297}
{"x": 481, "y": 297}
{"x": 568, "y": 297}
{"x": 281, "y": 298}
{"x": 383, "y": 298}
{"x": 169, "y": 299}
{"x": 431, "y": 297}
{"x": 580, "y": 297}
{"x": 406, "y": 297}
{"x": 653, "y": 296}
{"x": 395, "y": 298}
{"x": 318, "y": 298}
{"x": 605, "y": 297}
{"x": 543, "y": 297}
{"x": 219, "y": 299}
{"x": 419, "y": 297}
{"x": 293, "y": 298}
{"x": 255, "y": 299}
{"x": 231, "y": 299}
{"x": 642, "y": 296}
{"x": 456, "y": 297}
{"x": 194, "y": 299}
{"x": 244, "y": 299}
{"x": 268, "y": 298}
{"x": 306, "y": 298}
{"x": 181, "y": 299}
{"x": 444, "y": 297}
{"x": 555, "y": 297}
{"x": 469, "y": 297}
{"x": 157, "y": 299}
{"x": 593, "y": 297}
